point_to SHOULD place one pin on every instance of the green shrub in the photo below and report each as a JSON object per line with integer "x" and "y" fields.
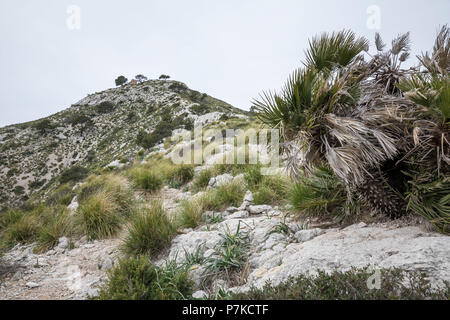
{"x": 180, "y": 175}
{"x": 99, "y": 216}
{"x": 230, "y": 194}
{"x": 19, "y": 190}
{"x": 21, "y": 228}
{"x": 73, "y": 174}
{"x": 41, "y": 224}
{"x": 272, "y": 190}
{"x": 349, "y": 285}
{"x": 199, "y": 109}
{"x": 146, "y": 179}
{"x": 253, "y": 176}
{"x": 162, "y": 130}
{"x": 231, "y": 253}
{"x": 55, "y": 225}
{"x": 62, "y": 195}
{"x": 105, "y": 107}
{"x": 432, "y": 201}
{"x": 44, "y": 125}
{"x": 202, "y": 179}
{"x": 190, "y": 214}
{"x": 322, "y": 195}
{"x": 10, "y": 217}
{"x": 137, "y": 279}
{"x": 78, "y": 118}
{"x": 150, "y": 231}
{"x": 116, "y": 186}
{"x": 233, "y": 169}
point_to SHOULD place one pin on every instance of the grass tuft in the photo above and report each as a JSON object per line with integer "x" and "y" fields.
{"x": 349, "y": 285}
{"x": 145, "y": 179}
{"x": 99, "y": 216}
{"x": 137, "y": 279}
{"x": 150, "y": 231}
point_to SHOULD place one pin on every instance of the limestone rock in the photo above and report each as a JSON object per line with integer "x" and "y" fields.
{"x": 306, "y": 235}
{"x": 238, "y": 215}
{"x": 199, "y": 294}
{"x": 259, "y": 209}
{"x": 220, "y": 180}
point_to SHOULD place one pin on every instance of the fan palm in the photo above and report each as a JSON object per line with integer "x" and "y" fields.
{"x": 351, "y": 115}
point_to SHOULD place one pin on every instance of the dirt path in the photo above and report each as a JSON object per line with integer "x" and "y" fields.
{"x": 70, "y": 270}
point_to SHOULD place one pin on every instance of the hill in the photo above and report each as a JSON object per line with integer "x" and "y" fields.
{"x": 100, "y": 128}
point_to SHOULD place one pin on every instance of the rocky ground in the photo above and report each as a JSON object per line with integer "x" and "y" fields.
{"x": 72, "y": 270}
{"x": 280, "y": 247}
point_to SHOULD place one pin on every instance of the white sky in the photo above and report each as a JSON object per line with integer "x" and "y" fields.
{"x": 230, "y": 49}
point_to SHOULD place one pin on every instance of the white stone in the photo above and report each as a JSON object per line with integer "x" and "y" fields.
{"x": 116, "y": 164}
{"x": 200, "y": 294}
{"x": 220, "y": 180}
{"x": 306, "y": 235}
{"x": 63, "y": 243}
{"x": 238, "y": 215}
{"x": 32, "y": 285}
{"x": 248, "y": 196}
{"x": 259, "y": 209}
{"x": 73, "y": 206}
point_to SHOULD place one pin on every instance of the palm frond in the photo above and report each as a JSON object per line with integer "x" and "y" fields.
{"x": 401, "y": 44}
{"x": 431, "y": 200}
{"x": 379, "y": 42}
{"x": 439, "y": 60}
{"x": 338, "y": 49}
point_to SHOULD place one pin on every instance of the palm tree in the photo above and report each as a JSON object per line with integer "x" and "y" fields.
{"x": 353, "y": 115}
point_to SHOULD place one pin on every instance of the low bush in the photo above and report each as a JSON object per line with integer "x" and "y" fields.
{"x": 180, "y": 175}
{"x": 322, "y": 195}
{"x": 73, "y": 174}
{"x": 105, "y": 107}
{"x": 272, "y": 190}
{"x": 253, "y": 176}
{"x": 138, "y": 279}
{"x": 230, "y": 255}
{"x": 63, "y": 195}
{"x": 56, "y": 224}
{"x": 432, "y": 201}
{"x": 150, "y": 231}
{"x": 44, "y": 125}
{"x": 145, "y": 179}
{"x": 99, "y": 216}
{"x": 116, "y": 186}
{"x": 190, "y": 214}
{"x": 230, "y": 194}
{"x": 10, "y": 217}
{"x": 41, "y": 224}
{"x": 350, "y": 285}
{"x": 202, "y": 179}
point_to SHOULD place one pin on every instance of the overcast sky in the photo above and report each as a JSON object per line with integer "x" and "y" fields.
{"x": 230, "y": 49}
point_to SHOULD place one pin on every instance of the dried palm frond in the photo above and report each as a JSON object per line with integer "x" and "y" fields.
{"x": 386, "y": 64}
{"x": 439, "y": 60}
{"x": 379, "y": 42}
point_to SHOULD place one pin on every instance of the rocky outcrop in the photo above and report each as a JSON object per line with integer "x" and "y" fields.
{"x": 276, "y": 255}
{"x": 69, "y": 271}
